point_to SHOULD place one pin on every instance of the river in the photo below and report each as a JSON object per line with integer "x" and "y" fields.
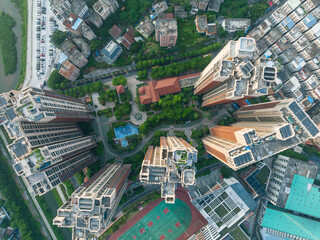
{"x": 9, "y": 82}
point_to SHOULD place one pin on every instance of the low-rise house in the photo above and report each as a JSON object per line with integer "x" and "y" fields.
{"x": 65, "y": 7}
{"x": 94, "y": 18}
{"x": 105, "y": 8}
{"x": 111, "y": 52}
{"x": 83, "y": 45}
{"x": 160, "y": 7}
{"x": 236, "y": 24}
{"x": 214, "y": 5}
{"x": 204, "y": 27}
{"x": 167, "y": 31}
{"x": 78, "y": 27}
{"x": 115, "y": 31}
{"x": 154, "y": 90}
{"x": 179, "y": 12}
{"x": 69, "y": 71}
{"x": 120, "y": 89}
{"x": 74, "y": 55}
{"x": 145, "y": 27}
{"x": 203, "y": 4}
{"x": 128, "y": 38}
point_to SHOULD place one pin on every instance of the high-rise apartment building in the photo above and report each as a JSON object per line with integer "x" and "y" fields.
{"x": 169, "y": 164}
{"x": 46, "y": 167}
{"x": 39, "y": 106}
{"x": 93, "y": 204}
{"x": 48, "y": 145}
{"x": 262, "y": 130}
{"x": 235, "y": 73}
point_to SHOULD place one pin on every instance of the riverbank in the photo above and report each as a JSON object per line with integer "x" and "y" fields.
{"x": 22, "y": 5}
{"x": 8, "y": 48}
{"x": 8, "y": 82}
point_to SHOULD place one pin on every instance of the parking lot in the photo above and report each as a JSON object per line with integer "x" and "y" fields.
{"x": 44, "y": 22}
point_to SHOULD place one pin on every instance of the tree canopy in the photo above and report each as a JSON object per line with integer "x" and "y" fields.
{"x": 8, "y": 48}
{"x": 58, "y": 37}
{"x": 119, "y": 80}
{"x": 56, "y": 81}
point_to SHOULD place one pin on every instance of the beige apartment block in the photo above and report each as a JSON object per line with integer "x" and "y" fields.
{"x": 261, "y": 130}
{"x": 168, "y": 165}
{"x": 93, "y": 204}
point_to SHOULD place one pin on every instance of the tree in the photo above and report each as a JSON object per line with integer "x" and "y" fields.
{"x": 222, "y": 33}
{"x": 56, "y": 81}
{"x": 120, "y": 80}
{"x": 226, "y": 171}
{"x": 95, "y": 43}
{"x": 257, "y": 10}
{"x": 58, "y": 37}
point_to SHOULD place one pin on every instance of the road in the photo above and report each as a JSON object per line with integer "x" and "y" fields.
{"x": 39, "y": 47}
{"x": 178, "y": 127}
{"x": 34, "y": 205}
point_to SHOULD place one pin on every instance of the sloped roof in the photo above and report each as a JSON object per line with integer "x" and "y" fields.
{"x": 154, "y": 90}
{"x": 120, "y": 89}
{"x": 127, "y": 40}
{"x": 115, "y": 31}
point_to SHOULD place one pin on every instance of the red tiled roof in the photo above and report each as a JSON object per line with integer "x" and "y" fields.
{"x": 115, "y": 31}
{"x": 120, "y": 89}
{"x": 168, "y": 86}
{"x": 68, "y": 23}
{"x": 154, "y": 90}
{"x": 127, "y": 40}
{"x": 131, "y": 32}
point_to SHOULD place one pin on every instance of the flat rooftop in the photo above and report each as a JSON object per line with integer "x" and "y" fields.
{"x": 291, "y": 224}
{"x": 304, "y": 197}
{"x": 294, "y": 167}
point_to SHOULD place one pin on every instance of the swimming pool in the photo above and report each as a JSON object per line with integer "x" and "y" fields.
{"x": 122, "y": 132}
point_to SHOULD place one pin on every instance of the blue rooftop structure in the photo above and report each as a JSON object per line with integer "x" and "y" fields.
{"x": 288, "y": 23}
{"x": 77, "y": 24}
{"x": 310, "y": 99}
{"x": 111, "y": 52}
{"x": 309, "y": 20}
{"x": 291, "y": 224}
{"x": 304, "y": 197}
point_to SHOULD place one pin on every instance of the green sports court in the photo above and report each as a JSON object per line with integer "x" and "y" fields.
{"x": 165, "y": 221}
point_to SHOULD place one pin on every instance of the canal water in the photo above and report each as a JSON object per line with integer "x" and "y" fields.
{"x": 9, "y": 82}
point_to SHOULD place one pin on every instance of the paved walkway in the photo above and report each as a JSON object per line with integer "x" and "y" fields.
{"x": 61, "y": 193}
{"x": 178, "y": 127}
{"x": 132, "y": 83}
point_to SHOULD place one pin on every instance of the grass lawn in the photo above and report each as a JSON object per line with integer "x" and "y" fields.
{"x": 238, "y": 234}
{"x": 6, "y": 135}
{"x": 205, "y": 173}
{"x": 57, "y": 197}
{"x": 49, "y": 216}
{"x": 205, "y": 162}
{"x": 80, "y": 177}
{"x": 188, "y": 35}
{"x": 263, "y": 175}
{"x": 221, "y": 211}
